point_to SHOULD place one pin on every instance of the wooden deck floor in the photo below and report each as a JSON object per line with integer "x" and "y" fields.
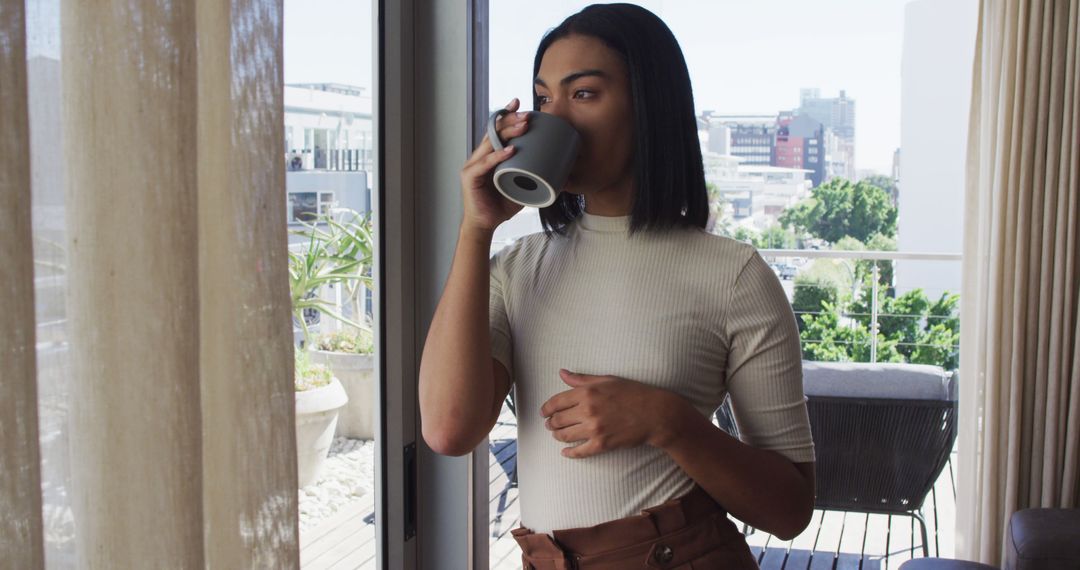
{"x": 342, "y": 542}
{"x": 833, "y": 540}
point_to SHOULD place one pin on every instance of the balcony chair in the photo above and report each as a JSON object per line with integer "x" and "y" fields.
{"x": 505, "y": 452}
{"x": 882, "y": 434}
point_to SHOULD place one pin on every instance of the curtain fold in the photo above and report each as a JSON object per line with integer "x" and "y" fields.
{"x": 20, "y": 478}
{"x": 1020, "y": 404}
{"x": 128, "y": 75}
{"x": 246, "y": 342}
{"x": 182, "y": 437}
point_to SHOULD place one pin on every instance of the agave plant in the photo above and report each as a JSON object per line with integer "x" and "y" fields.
{"x": 338, "y": 252}
{"x": 309, "y": 375}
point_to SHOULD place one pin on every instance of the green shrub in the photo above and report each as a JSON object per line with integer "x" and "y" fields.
{"x": 310, "y": 376}
{"x": 811, "y": 294}
{"x": 826, "y": 339}
{"x": 349, "y": 340}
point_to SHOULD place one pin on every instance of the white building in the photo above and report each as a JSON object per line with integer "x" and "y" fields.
{"x": 324, "y": 117}
{"x": 756, "y": 192}
{"x": 939, "y": 47}
{"x": 329, "y": 148}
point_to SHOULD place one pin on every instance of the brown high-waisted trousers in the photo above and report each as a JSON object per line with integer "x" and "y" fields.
{"x": 691, "y": 532}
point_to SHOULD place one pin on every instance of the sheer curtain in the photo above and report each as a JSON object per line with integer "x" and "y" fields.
{"x": 20, "y": 486}
{"x": 1020, "y": 351}
{"x": 164, "y": 379}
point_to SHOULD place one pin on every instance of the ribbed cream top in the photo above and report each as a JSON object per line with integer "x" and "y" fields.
{"x": 691, "y": 312}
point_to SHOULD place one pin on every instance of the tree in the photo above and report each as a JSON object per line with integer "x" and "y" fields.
{"x": 744, "y": 234}
{"x": 899, "y": 318}
{"x": 864, "y": 268}
{"x": 937, "y": 344}
{"x": 774, "y": 237}
{"x": 826, "y": 339}
{"x": 840, "y": 208}
{"x": 923, "y": 331}
{"x": 713, "y": 192}
{"x": 811, "y": 294}
{"x": 886, "y": 269}
{"x": 886, "y": 183}
{"x": 824, "y": 282}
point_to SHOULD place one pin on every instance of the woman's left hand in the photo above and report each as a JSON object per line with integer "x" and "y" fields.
{"x": 609, "y": 412}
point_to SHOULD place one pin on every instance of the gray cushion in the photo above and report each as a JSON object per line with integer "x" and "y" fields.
{"x": 880, "y": 380}
{"x": 943, "y": 564}
{"x": 1043, "y": 539}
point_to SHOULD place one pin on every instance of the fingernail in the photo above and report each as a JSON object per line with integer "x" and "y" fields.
{"x": 508, "y": 149}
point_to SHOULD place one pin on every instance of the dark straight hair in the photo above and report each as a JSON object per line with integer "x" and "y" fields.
{"x": 669, "y": 178}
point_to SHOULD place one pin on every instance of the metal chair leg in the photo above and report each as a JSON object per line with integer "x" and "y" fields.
{"x": 922, "y": 528}
{"x": 499, "y": 511}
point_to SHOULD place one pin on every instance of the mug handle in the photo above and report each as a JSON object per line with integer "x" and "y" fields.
{"x": 493, "y": 134}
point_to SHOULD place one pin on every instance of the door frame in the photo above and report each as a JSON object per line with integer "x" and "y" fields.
{"x": 427, "y": 121}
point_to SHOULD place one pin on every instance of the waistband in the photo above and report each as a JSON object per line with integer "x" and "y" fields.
{"x": 677, "y": 521}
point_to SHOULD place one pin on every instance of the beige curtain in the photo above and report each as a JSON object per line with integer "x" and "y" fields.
{"x": 178, "y": 348}
{"x": 1020, "y": 348}
{"x": 20, "y": 485}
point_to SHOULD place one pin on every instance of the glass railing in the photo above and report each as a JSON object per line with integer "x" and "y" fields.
{"x": 850, "y": 306}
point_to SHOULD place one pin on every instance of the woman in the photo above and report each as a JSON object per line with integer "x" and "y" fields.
{"x": 622, "y": 327}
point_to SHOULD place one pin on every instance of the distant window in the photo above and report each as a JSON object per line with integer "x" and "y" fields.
{"x": 306, "y": 206}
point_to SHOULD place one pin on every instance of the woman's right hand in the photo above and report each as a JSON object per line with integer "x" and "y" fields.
{"x": 485, "y": 206}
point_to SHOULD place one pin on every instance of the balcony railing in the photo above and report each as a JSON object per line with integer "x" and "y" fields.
{"x": 870, "y": 292}
{"x": 339, "y": 160}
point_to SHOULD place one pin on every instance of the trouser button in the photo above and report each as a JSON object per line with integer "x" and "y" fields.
{"x": 663, "y": 554}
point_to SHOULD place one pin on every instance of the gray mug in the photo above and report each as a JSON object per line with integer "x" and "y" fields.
{"x": 544, "y": 156}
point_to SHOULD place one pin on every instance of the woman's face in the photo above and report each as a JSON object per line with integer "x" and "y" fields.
{"x": 587, "y": 84}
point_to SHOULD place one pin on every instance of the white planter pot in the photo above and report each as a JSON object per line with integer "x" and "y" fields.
{"x": 316, "y": 418}
{"x": 357, "y": 375}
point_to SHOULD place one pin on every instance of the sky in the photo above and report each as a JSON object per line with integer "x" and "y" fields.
{"x": 744, "y": 56}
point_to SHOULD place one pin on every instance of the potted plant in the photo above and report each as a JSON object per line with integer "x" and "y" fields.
{"x": 350, "y": 353}
{"x": 319, "y": 396}
{"x": 327, "y": 279}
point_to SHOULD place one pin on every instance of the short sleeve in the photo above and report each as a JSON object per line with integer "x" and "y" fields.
{"x": 764, "y": 365}
{"x": 498, "y": 322}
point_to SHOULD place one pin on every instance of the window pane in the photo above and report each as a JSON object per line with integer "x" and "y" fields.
{"x": 328, "y": 100}
{"x": 50, "y": 280}
{"x": 329, "y": 179}
{"x": 778, "y": 126}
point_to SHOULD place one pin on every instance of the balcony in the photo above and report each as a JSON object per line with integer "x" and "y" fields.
{"x": 833, "y": 539}
{"x": 337, "y": 160}
{"x": 345, "y": 538}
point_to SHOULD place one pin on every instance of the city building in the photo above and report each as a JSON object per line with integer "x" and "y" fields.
{"x": 329, "y": 126}
{"x": 758, "y": 192}
{"x": 720, "y": 139}
{"x": 801, "y": 144}
{"x": 837, "y": 114}
{"x": 329, "y": 149}
{"x": 749, "y": 137}
{"x": 789, "y": 139}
